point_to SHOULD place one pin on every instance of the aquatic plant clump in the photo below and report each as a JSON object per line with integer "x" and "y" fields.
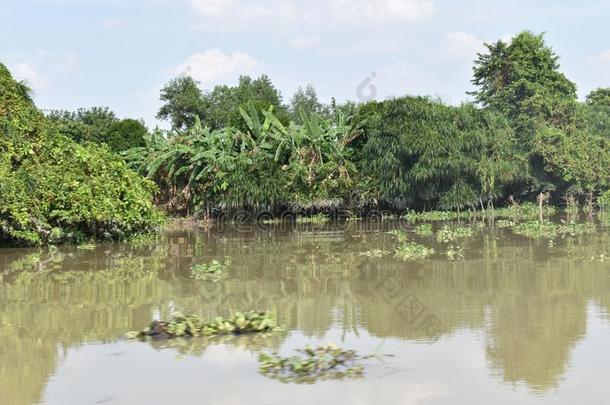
{"x": 447, "y": 234}
{"x": 208, "y": 271}
{"x": 376, "y": 253}
{"x": 434, "y": 216}
{"x": 526, "y": 211}
{"x": 193, "y": 326}
{"x": 400, "y": 235}
{"x": 574, "y": 229}
{"x": 455, "y": 252}
{"x": 504, "y": 223}
{"x": 412, "y": 251}
{"x": 423, "y": 230}
{"x": 320, "y": 363}
{"x": 537, "y": 230}
{"x": 314, "y": 219}
{"x": 549, "y": 230}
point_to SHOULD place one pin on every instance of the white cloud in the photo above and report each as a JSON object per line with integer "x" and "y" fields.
{"x": 111, "y": 23}
{"x": 462, "y": 45}
{"x": 233, "y": 15}
{"x": 508, "y": 38}
{"x": 603, "y": 57}
{"x": 26, "y": 72}
{"x": 213, "y": 7}
{"x": 381, "y": 10}
{"x": 214, "y": 65}
{"x": 67, "y": 63}
{"x": 40, "y": 68}
{"x": 399, "y": 79}
{"x": 306, "y": 42}
{"x": 223, "y": 15}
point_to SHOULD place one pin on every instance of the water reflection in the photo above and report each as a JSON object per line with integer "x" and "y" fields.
{"x": 529, "y": 300}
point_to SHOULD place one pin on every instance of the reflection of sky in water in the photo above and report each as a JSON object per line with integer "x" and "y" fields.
{"x": 524, "y": 322}
{"x": 451, "y": 370}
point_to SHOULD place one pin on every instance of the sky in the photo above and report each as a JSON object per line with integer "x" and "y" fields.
{"x": 120, "y": 53}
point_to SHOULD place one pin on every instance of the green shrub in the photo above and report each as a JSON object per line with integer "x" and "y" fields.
{"x": 54, "y": 190}
{"x": 604, "y": 201}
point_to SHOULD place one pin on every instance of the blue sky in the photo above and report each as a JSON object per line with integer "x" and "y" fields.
{"x": 119, "y": 53}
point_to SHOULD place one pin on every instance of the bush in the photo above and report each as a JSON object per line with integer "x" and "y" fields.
{"x": 604, "y": 201}
{"x": 53, "y": 189}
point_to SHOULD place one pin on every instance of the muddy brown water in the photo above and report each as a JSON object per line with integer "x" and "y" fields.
{"x": 515, "y": 321}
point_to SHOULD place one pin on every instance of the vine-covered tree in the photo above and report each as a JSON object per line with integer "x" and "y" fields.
{"x": 522, "y": 80}
{"x": 53, "y": 189}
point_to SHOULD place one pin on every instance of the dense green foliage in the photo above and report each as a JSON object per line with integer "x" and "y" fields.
{"x": 53, "y": 189}
{"x": 266, "y": 166}
{"x": 599, "y": 97}
{"x": 420, "y": 152}
{"x": 219, "y": 108}
{"x": 526, "y": 137}
{"x": 100, "y": 125}
{"x": 523, "y": 81}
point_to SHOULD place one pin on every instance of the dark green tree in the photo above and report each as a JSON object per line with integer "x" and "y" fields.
{"x": 219, "y": 108}
{"x": 183, "y": 101}
{"x": 579, "y": 153}
{"x": 85, "y": 124}
{"x": 99, "y": 125}
{"x": 223, "y": 102}
{"x": 522, "y": 80}
{"x": 125, "y": 134}
{"x": 599, "y": 97}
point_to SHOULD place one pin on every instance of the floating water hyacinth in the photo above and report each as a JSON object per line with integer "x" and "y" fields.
{"x": 400, "y": 235}
{"x": 549, "y": 230}
{"x": 434, "y": 216}
{"x": 424, "y": 230}
{"x": 314, "y": 219}
{"x": 376, "y": 253}
{"x": 447, "y": 234}
{"x": 193, "y": 326}
{"x": 319, "y": 363}
{"x": 504, "y": 223}
{"x": 208, "y": 271}
{"x": 455, "y": 253}
{"x": 412, "y": 251}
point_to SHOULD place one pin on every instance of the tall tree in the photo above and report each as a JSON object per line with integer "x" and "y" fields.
{"x": 183, "y": 101}
{"x": 522, "y": 79}
{"x": 581, "y": 152}
{"x": 306, "y": 100}
{"x": 223, "y": 102}
{"x": 218, "y": 108}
